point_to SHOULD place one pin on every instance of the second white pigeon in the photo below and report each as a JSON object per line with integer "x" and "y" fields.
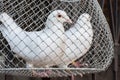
{"x": 78, "y": 40}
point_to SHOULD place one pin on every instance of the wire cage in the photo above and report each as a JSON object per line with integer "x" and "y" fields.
{"x": 31, "y": 16}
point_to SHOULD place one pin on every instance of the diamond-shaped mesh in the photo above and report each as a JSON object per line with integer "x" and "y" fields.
{"x": 31, "y": 16}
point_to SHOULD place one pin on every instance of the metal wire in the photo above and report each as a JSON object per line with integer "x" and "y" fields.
{"x": 31, "y": 15}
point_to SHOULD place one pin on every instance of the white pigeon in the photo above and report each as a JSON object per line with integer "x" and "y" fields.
{"x": 39, "y": 48}
{"x": 78, "y": 40}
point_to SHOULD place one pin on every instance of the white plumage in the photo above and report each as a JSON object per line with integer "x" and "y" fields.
{"x": 39, "y": 48}
{"x": 78, "y": 40}
{"x": 52, "y": 45}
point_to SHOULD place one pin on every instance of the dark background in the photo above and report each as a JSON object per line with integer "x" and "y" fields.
{"x": 111, "y": 9}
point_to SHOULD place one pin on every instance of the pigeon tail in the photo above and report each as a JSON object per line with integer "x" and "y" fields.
{"x": 9, "y": 23}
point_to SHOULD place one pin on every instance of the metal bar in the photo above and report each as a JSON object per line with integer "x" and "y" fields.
{"x": 102, "y": 2}
{"x": 115, "y": 35}
{"x": 116, "y": 39}
{"x": 116, "y": 20}
{"x": 112, "y": 17}
{"x": 116, "y": 61}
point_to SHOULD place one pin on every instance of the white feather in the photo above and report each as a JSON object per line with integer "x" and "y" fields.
{"x": 40, "y": 48}
{"x": 78, "y": 40}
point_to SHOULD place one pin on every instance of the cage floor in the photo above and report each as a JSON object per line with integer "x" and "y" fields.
{"x": 49, "y": 72}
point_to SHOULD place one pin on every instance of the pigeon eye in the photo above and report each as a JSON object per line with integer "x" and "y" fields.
{"x": 59, "y": 15}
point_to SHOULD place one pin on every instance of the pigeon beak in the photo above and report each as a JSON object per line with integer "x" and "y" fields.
{"x": 69, "y": 21}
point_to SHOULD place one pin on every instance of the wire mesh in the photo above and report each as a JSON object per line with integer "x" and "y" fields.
{"x": 31, "y": 16}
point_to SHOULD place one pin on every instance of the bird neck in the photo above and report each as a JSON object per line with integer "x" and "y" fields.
{"x": 54, "y": 25}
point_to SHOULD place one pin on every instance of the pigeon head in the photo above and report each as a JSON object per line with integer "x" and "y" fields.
{"x": 59, "y": 16}
{"x": 85, "y": 17}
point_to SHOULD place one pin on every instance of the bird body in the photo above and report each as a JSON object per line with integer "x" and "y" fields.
{"x": 52, "y": 45}
{"x": 40, "y": 48}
